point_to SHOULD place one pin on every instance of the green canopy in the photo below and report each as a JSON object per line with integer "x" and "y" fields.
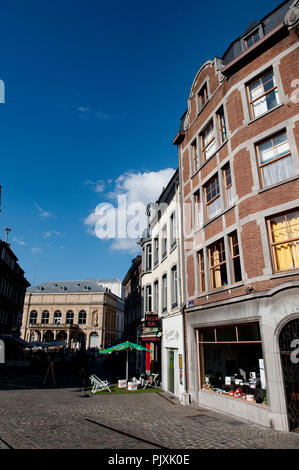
{"x": 127, "y": 345}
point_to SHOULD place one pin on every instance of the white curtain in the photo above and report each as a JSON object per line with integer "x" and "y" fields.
{"x": 214, "y": 208}
{"x": 278, "y": 171}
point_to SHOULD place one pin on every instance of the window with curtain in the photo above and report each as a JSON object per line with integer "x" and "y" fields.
{"x": 213, "y": 199}
{"x": 173, "y": 229}
{"x": 275, "y": 159}
{"x": 148, "y": 254}
{"x": 208, "y": 142}
{"x": 201, "y": 269}
{"x": 198, "y": 213}
{"x": 156, "y": 246}
{"x": 218, "y": 273}
{"x": 263, "y": 94}
{"x": 284, "y": 237}
{"x": 235, "y": 255}
{"x": 164, "y": 241}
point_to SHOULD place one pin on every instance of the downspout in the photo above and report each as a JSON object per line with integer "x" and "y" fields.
{"x": 181, "y": 257}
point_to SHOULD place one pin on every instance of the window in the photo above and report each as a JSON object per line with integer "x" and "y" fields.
{"x": 69, "y": 317}
{"x": 156, "y": 296}
{"x": 194, "y": 156}
{"x": 198, "y": 219}
{"x": 229, "y": 195}
{"x": 202, "y": 97}
{"x": 148, "y": 254}
{"x": 173, "y": 229}
{"x": 213, "y": 199}
{"x": 33, "y": 316}
{"x": 82, "y": 317}
{"x": 208, "y": 143}
{"x": 201, "y": 269}
{"x": 164, "y": 293}
{"x": 222, "y": 125}
{"x": 174, "y": 287}
{"x": 262, "y": 94}
{"x": 164, "y": 241}
{"x": 275, "y": 159}
{"x": 235, "y": 254}
{"x": 231, "y": 360}
{"x": 156, "y": 246}
{"x": 45, "y": 317}
{"x": 284, "y": 238}
{"x": 57, "y": 317}
{"x": 148, "y": 298}
{"x": 218, "y": 273}
{"x": 252, "y": 39}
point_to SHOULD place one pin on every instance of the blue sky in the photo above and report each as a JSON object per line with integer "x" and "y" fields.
{"x": 94, "y": 92}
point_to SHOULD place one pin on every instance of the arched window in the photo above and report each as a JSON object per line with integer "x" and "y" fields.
{"x": 33, "y": 316}
{"x": 82, "y": 317}
{"x": 45, "y": 316}
{"x": 57, "y": 317}
{"x": 70, "y": 317}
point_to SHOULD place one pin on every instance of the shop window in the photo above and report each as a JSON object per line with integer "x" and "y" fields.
{"x": 235, "y": 254}
{"x": 275, "y": 159}
{"x": 208, "y": 142}
{"x": 231, "y": 361}
{"x": 262, "y": 94}
{"x": 202, "y": 97}
{"x": 229, "y": 192}
{"x": 194, "y": 156}
{"x": 201, "y": 269}
{"x": 284, "y": 240}
{"x": 222, "y": 125}
{"x": 213, "y": 200}
{"x": 218, "y": 272}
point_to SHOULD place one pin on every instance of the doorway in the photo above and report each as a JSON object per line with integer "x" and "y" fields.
{"x": 290, "y": 367}
{"x": 170, "y": 373}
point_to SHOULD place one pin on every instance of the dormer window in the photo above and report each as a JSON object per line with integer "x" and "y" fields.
{"x": 252, "y": 38}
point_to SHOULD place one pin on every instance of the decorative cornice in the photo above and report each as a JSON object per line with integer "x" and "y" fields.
{"x": 292, "y": 17}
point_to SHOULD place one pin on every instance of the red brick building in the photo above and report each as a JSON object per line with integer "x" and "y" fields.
{"x": 238, "y": 159}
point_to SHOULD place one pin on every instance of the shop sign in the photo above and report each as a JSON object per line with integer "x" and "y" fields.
{"x": 151, "y": 321}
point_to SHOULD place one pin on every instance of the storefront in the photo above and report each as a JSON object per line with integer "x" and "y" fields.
{"x": 151, "y": 339}
{"x": 231, "y": 361}
{"x": 173, "y": 374}
{"x": 243, "y": 357}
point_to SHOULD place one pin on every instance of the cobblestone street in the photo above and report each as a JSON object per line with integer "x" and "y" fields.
{"x": 61, "y": 418}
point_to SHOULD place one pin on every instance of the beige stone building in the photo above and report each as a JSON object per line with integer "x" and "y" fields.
{"x": 71, "y": 311}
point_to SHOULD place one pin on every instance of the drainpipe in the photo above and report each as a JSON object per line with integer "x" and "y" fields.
{"x": 183, "y": 295}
